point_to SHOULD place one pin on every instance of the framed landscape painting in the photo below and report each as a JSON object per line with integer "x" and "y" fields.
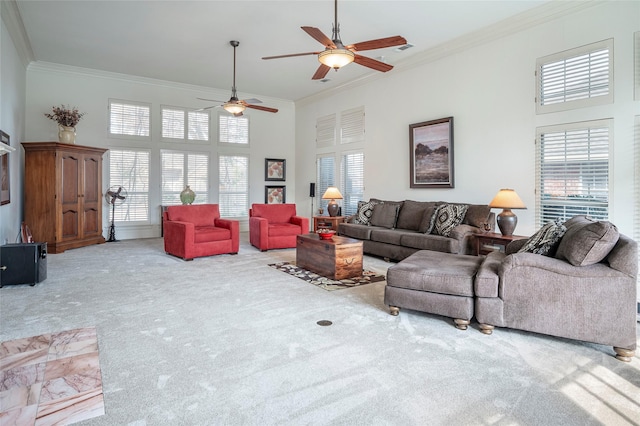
{"x": 275, "y": 169}
{"x": 275, "y": 194}
{"x": 431, "y": 154}
{"x": 5, "y": 185}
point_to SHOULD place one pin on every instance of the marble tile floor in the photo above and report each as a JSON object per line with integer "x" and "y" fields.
{"x": 51, "y": 379}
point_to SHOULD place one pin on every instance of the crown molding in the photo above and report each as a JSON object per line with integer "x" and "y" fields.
{"x": 13, "y": 21}
{"x": 539, "y": 15}
{"x": 51, "y": 67}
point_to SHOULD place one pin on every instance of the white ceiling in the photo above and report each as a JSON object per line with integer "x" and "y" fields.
{"x": 188, "y": 41}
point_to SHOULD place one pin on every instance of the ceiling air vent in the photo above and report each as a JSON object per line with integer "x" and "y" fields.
{"x": 404, "y": 47}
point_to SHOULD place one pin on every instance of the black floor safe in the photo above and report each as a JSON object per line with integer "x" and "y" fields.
{"x": 23, "y": 263}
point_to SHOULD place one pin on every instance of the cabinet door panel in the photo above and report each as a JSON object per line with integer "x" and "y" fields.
{"x": 69, "y": 184}
{"x": 69, "y": 224}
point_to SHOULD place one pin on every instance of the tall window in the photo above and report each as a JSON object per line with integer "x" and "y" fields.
{"x": 575, "y": 78}
{"x": 352, "y": 187}
{"x": 233, "y": 129}
{"x": 129, "y": 119}
{"x": 130, "y": 169}
{"x": 326, "y": 177}
{"x": 180, "y": 169}
{"x": 572, "y": 171}
{"x": 234, "y": 185}
{"x": 179, "y": 123}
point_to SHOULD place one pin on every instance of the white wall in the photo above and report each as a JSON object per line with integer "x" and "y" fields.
{"x": 489, "y": 90}
{"x": 271, "y": 135}
{"x": 12, "y": 103}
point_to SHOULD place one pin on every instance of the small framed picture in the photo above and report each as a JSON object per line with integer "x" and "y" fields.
{"x": 5, "y": 185}
{"x": 275, "y": 169}
{"x": 275, "y": 194}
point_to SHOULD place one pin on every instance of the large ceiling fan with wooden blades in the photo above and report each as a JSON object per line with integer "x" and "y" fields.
{"x": 336, "y": 55}
{"x": 234, "y": 105}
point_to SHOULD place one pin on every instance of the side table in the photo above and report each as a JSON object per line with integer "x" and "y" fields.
{"x": 492, "y": 241}
{"x": 327, "y": 222}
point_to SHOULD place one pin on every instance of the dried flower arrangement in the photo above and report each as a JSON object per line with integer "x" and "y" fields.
{"x": 65, "y": 116}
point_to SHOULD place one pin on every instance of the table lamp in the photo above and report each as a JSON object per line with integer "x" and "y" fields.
{"x": 332, "y": 194}
{"x": 507, "y": 199}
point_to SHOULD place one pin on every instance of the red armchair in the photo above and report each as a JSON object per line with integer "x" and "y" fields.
{"x": 197, "y": 230}
{"x": 275, "y": 226}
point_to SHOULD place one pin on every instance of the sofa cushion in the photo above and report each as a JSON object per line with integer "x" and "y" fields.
{"x": 411, "y": 213}
{"x": 388, "y": 236}
{"x": 355, "y": 230}
{"x": 430, "y": 242}
{"x": 198, "y": 214}
{"x": 546, "y": 240}
{"x": 448, "y": 216}
{"x": 477, "y": 215}
{"x": 279, "y": 229}
{"x": 365, "y": 210}
{"x": 428, "y": 219}
{"x": 281, "y": 213}
{"x": 385, "y": 215}
{"x": 206, "y": 234}
{"x": 587, "y": 241}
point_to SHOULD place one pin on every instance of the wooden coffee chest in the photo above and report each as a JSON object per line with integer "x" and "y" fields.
{"x": 337, "y": 258}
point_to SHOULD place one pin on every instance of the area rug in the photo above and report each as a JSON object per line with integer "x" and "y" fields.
{"x": 325, "y": 283}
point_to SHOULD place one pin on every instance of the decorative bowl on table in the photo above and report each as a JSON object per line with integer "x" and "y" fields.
{"x": 326, "y": 234}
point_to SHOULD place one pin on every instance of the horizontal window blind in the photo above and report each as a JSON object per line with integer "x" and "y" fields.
{"x": 129, "y": 119}
{"x": 636, "y": 222}
{"x": 130, "y": 169}
{"x": 636, "y": 72}
{"x": 198, "y": 125}
{"x": 326, "y": 131}
{"x": 572, "y": 167}
{"x": 234, "y": 185}
{"x": 353, "y": 182}
{"x": 180, "y": 169}
{"x": 352, "y": 125}
{"x": 581, "y": 74}
{"x": 172, "y": 123}
{"x": 233, "y": 129}
{"x": 325, "y": 178}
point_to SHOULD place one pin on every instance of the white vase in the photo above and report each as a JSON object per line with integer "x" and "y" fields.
{"x": 67, "y": 134}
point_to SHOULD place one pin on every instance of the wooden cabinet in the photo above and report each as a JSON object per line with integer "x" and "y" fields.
{"x": 327, "y": 222}
{"x": 63, "y": 194}
{"x": 491, "y": 241}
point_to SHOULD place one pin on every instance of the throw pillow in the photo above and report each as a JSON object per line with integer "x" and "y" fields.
{"x": 365, "y": 210}
{"x": 545, "y": 241}
{"x": 477, "y": 215}
{"x": 385, "y": 215}
{"x": 428, "y": 219}
{"x": 587, "y": 241}
{"x": 410, "y": 214}
{"x": 448, "y": 216}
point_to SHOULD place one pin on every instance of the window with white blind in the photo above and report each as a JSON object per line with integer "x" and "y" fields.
{"x": 325, "y": 177}
{"x": 233, "y": 179}
{"x": 180, "y": 169}
{"x": 572, "y": 170}
{"x": 179, "y": 123}
{"x": 352, "y": 188}
{"x": 636, "y": 222}
{"x": 233, "y": 129}
{"x": 636, "y": 72}
{"x": 129, "y": 120}
{"x": 326, "y": 131}
{"x": 575, "y": 78}
{"x": 130, "y": 169}
{"x": 352, "y": 125}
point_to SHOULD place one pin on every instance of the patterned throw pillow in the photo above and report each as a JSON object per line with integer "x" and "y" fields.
{"x": 365, "y": 210}
{"x": 546, "y": 240}
{"x": 448, "y": 216}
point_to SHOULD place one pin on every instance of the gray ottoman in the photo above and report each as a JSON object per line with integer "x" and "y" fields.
{"x": 434, "y": 282}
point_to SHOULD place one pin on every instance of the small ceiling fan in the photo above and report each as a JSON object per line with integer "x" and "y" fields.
{"x": 336, "y": 54}
{"x": 234, "y": 105}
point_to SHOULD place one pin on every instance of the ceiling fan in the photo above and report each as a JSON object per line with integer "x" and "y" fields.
{"x": 234, "y": 105}
{"x": 336, "y": 54}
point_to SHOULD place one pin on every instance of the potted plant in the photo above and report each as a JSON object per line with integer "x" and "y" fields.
{"x": 67, "y": 119}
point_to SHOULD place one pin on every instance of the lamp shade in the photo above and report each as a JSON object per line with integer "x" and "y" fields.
{"x": 507, "y": 199}
{"x": 332, "y": 193}
{"x": 336, "y": 58}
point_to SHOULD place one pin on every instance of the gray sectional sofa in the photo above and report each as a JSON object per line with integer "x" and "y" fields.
{"x": 396, "y": 229}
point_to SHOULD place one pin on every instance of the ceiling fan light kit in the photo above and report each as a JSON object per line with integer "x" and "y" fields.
{"x": 336, "y": 58}
{"x": 233, "y": 107}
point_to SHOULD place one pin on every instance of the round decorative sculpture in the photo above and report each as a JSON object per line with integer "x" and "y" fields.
{"x": 187, "y": 196}
{"x": 67, "y": 134}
